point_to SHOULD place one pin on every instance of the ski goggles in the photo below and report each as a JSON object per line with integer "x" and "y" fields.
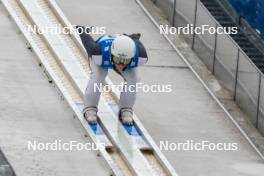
{"x": 120, "y": 60}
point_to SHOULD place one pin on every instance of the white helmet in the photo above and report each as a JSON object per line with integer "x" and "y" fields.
{"x": 123, "y": 49}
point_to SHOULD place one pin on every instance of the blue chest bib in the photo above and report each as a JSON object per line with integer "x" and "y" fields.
{"x": 105, "y": 42}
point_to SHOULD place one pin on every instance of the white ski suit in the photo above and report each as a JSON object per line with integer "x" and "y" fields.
{"x": 100, "y": 63}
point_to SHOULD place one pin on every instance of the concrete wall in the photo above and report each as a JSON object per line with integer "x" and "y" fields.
{"x": 225, "y": 56}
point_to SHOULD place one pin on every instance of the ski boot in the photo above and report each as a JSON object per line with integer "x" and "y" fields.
{"x": 126, "y": 116}
{"x": 90, "y": 115}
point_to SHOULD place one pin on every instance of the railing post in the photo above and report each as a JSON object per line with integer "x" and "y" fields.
{"x": 194, "y": 23}
{"x": 236, "y": 75}
{"x": 173, "y": 13}
{"x": 215, "y": 46}
{"x": 258, "y": 103}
